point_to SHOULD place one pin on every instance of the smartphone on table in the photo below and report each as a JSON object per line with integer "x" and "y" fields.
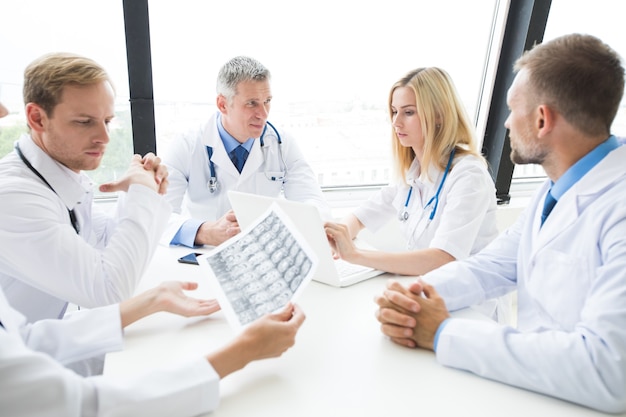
{"x": 190, "y": 258}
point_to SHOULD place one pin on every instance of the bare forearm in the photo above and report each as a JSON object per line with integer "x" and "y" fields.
{"x": 267, "y": 337}
{"x": 138, "y": 307}
{"x": 415, "y": 263}
{"x": 230, "y": 358}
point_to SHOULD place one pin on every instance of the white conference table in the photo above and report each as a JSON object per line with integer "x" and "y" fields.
{"x": 341, "y": 364}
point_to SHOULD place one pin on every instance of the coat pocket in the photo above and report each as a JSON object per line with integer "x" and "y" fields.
{"x": 559, "y": 282}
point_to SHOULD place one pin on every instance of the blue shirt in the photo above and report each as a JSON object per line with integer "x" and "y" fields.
{"x": 584, "y": 165}
{"x": 567, "y": 180}
{"x": 186, "y": 235}
{"x": 229, "y": 141}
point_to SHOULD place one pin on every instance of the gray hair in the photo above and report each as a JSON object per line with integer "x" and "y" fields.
{"x": 237, "y": 70}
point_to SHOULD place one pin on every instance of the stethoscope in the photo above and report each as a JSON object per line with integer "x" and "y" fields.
{"x": 73, "y": 219}
{"x": 281, "y": 176}
{"x": 404, "y": 214}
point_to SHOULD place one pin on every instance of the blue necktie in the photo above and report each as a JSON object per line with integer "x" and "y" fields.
{"x": 548, "y": 205}
{"x": 239, "y": 156}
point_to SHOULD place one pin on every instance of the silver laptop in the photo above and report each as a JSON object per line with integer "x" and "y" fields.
{"x": 306, "y": 217}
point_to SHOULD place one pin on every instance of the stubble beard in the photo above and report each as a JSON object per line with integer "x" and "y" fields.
{"x": 69, "y": 159}
{"x": 528, "y": 151}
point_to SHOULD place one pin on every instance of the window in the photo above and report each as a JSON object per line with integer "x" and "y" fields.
{"x": 332, "y": 65}
{"x": 95, "y": 29}
{"x": 602, "y": 19}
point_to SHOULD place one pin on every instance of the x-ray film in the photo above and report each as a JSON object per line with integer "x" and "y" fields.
{"x": 261, "y": 269}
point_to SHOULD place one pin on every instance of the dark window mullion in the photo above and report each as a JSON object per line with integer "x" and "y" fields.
{"x": 138, "y": 55}
{"x": 525, "y": 26}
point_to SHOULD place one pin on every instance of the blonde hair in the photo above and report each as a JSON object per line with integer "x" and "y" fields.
{"x": 45, "y": 78}
{"x": 445, "y": 123}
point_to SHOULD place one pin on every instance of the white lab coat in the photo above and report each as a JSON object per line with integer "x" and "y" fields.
{"x": 465, "y": 219}
{"x": 571, "y": 281}
{"x": 33, "y": 381}
{"x": 44, "y": 263}
{"x": 188, "y": 165}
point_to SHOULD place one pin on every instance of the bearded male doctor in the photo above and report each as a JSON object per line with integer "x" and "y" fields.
{"x": 237, "y": 149}
{"x": 566, "y": 255}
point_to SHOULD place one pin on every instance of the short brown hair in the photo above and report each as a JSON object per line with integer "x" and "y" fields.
{"x": 580, "y": 77}
{"x": 45, "y": 77}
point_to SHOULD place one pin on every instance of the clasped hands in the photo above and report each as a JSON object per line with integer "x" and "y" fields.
{"x": 411, "y": 315}
{"x": 147, "y": 170}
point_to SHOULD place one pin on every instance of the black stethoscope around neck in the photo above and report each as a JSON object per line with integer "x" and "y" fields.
{"x": 71, "y": 212}
{"x": 403, "y": 216}
{"x": 212, "y": 184}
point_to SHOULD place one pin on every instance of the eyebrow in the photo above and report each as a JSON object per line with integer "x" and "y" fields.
{"x": 89, "y": 116}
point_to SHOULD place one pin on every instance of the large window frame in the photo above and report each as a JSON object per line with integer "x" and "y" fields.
{"x": 525, "y": 26}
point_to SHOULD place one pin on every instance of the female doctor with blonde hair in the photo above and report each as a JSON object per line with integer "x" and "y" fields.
{"x": 445, "y": 200}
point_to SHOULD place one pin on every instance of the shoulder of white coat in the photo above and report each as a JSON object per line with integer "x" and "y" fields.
{"x": 286, "y": 136}
{"x": 470, "y": 164}
{"x": 17, "y": 185}
{"x": 181, "y": 147}
{"x": 467, "y": 160}
{"x": 609, "y": 173}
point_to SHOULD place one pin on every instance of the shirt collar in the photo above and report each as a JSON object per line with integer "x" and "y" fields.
{"x": 67, "y": 184}
{"x": 414, "y": 174}
{"x": 584, "y": 165}
{"x": 228, "y": 140}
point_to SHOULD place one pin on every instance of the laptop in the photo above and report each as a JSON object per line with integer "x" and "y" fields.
{"x": 307, "y": 219}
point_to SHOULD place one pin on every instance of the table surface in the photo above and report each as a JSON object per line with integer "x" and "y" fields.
{"x": 341, "y": 364}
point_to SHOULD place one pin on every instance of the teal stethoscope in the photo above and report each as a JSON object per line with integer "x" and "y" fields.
{"x": 404, "y": 214}
{"x": 279, "y": 176}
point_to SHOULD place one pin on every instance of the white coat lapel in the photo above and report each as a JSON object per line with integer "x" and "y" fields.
{"x": 561, "y": 218}
{"x": 425, "y": 188}
{"x": 221, "y": 160}
{"x": 584, "y": 193}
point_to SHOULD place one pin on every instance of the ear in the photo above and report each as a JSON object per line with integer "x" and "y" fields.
{"x": 545, "y": 120}
{"x": 3, "y": 111}
{"x": 222, "y": 103}
{"x": 36, "y": 117}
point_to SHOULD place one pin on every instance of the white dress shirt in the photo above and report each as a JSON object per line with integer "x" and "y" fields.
{"x": 34, "y": 382}
{"x": 571, "y": 280}
{"x": 44, "y": 263}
